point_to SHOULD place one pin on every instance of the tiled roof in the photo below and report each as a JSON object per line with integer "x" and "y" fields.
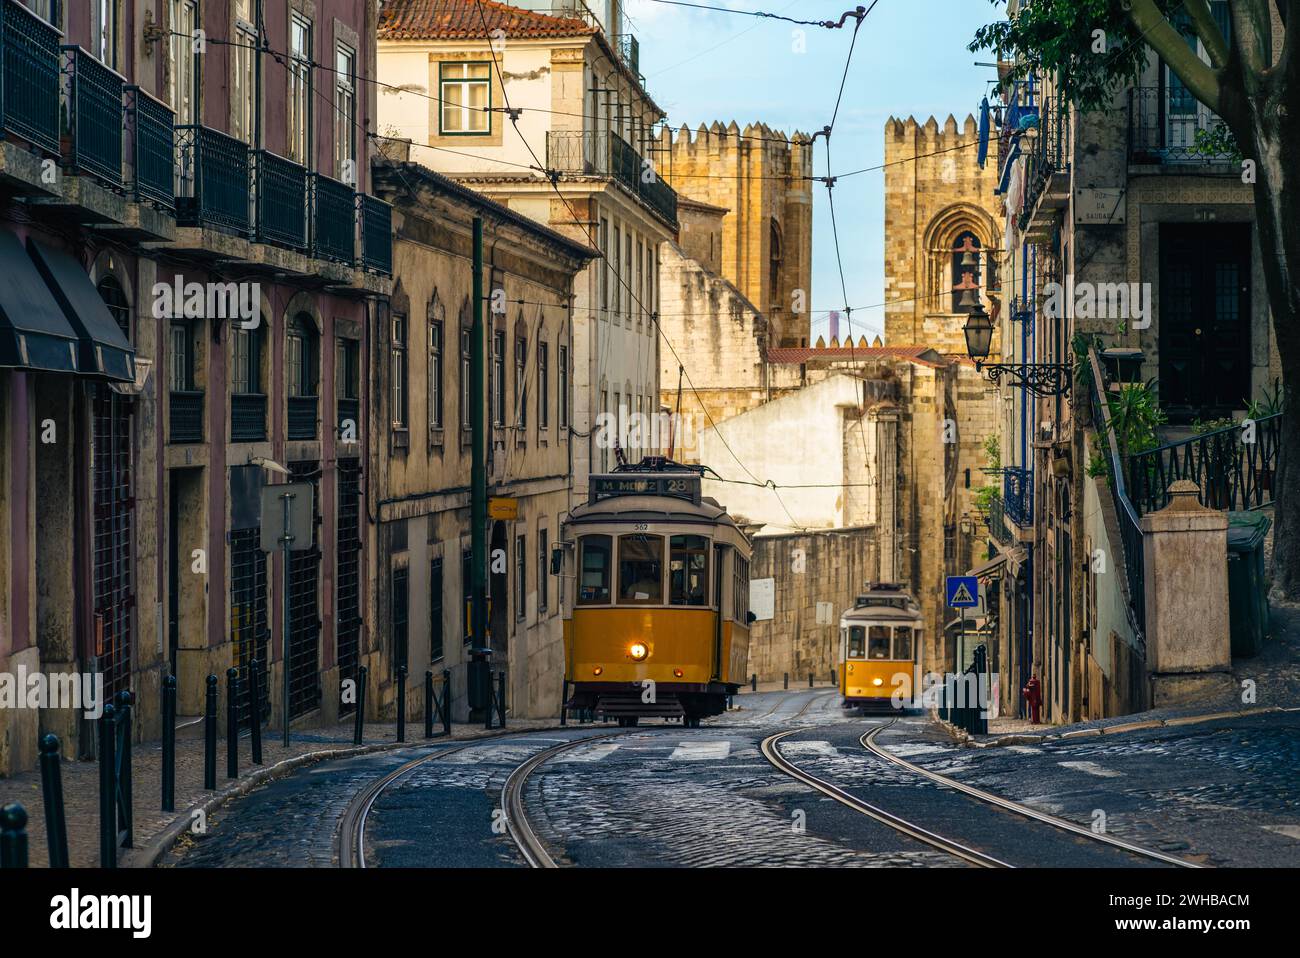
{"x": 924, "y": 355}
{"x": 471, "y": 20}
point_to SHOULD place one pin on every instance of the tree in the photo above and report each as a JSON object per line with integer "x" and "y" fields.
{"x": 1253, "y": 85}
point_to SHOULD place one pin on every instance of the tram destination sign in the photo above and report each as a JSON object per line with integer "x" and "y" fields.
{"x": 676, "y": 485}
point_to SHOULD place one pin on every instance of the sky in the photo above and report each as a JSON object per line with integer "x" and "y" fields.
{"x": 910, "y": 60}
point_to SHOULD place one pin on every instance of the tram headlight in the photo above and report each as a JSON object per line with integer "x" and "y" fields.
{"x": 638, "y": 651}
{"x": 598, "y": 670}
{"x": 877, "y": 681}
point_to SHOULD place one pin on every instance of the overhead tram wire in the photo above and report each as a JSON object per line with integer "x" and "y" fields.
{"x": 824, "y": 24}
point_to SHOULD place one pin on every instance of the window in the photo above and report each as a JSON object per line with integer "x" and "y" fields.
{"x": 521, "y": 386}
{"x": 604, "y": 267}
{"x": 183, "y": 61}
{"x": 564, "y": 390}
{"x": 640, "y": 570}
{"x": 466, "y": 591}
{"x": 435, "y": 363}
{"x": 627, "y": 275}
{"x": 652, "y": 284}
{"x": 181, "y": 366}
{"x": 963, "y": 262}
{"x": 498, "y": 379}
{"x": 543, "y": 570}
{"x": 300, "y": 89}
{"x": 246, "y": 356}
{"x": 594, "y": 565}
{"x": 638, "y": 283}
{"x": 688, "y": 570}
{"x": 103, "y": 30}
{"x": 243, "y": 73}
{"x": 465, "y": 421}
{"x": 345, "y": 115}
{"x": 521, "y": 578}
{"x": 347, "y": 374}
{"x": 397, "y": 371}
{"x": 857, "y": 642}
{"x": 301, "y": 358}
{"x": 617, "y": 307}
{"x": 399, "y": 597}
{"x": 878, "y": 642}
{"x": 740, "y": 591}
{"x": 435, "y": 609}
{"x": 903, "y": 642}
{"x": 543, "y": 387}
{"x": 48, "y": 10}
{"x": 466, "y": 93}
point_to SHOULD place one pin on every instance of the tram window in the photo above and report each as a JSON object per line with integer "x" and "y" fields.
{"x": 857, "y": 642}
{"x": 688, "y": 570}
{"x": 593, "y": 589}
{"x": 640, "y": 570}
{"x": 878, "y": 642}
{"x": 903, "y": 642}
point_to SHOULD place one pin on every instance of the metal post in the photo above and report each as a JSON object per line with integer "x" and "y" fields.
{"x": 210, "y": 735}
{"x": 255, "y": 708}
{"x": 564, "y": 697}
{"x": 401, "y": 703}
{"x": 169, "y": 744}
{"x": 753, "y": 682}
{"x": 810, "y": 680}
{"x": 787, "y": 680}
{"x": 232, "y": 722}
{"x": 428, "y": 703}
{"x": 501, "y": 697}
{"x": 446, "y": 701}
{"x": 124, "y": 788}
{"x": 13, "y": 836}
{"x": 108, "y": 788}
{"x": 488, "y": 698}
{"x": 56, "y": 826}
{"x": 359, "y": 723}
{"x": 285, "y": 539}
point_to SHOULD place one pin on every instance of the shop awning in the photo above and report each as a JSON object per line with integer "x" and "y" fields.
{"x": 105, "y": 350}
{"x": 990, "y": 566}
{"x": 34, "y": 331}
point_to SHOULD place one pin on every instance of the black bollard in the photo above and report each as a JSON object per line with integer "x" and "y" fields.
{"x": 564, "y": 697}
{"x": 56, "y": 826}
{"x": 833, "y": 678}
{"x": 168, "y": 779}
{"x": 787, "y": 680}
{"x": 428, "y": 703}
{"x": 255, "y": 709}
{"x": 810, "y": 680}
{"x": 446, "y": 701}
{"x": 13, "y": 836}
{"x": 108, "y": 788}
{"x": 401, "y": 703}
{"x": 501, "y": 698}
{"x": 753, "y": 682}
{"x": 210, "y": 736}
{"x": 232, "y": 722}
{"x": 126, "y": 805}
{"x": 359, "y": 722}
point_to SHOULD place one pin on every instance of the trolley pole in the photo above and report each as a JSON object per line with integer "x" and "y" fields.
{"x": 478, "y": 678}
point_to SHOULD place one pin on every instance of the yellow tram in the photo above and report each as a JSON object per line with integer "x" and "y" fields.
{"x": 657, "y": 619}
{"x": 880, "y": 638}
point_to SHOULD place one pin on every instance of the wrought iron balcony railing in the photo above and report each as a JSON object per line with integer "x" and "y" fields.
{"x": 186, "y": 416}
{"x": 29, "y": 76}
{"x": 153, "y": 150}
{"x": 376, "y": 234}
{"x": 997, "y": 522}
{"x": 247, "y": 417}
{"x": 1018, "y": 495}
{"x": 608, "y": 154}
{"x": 92, "y": 107}
{"x": 1047, "y": 153}
{"x": 281, "y": 187}
{"x": 302, "y": 417}
{"x": 334, "y": 229}
{"x": 1168, "y": 126}
{"x": 214, "y": 182}
{"x": 349, "y": 410}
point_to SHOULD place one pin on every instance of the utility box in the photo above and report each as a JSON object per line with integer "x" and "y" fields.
{"x": 1247, "y": 592}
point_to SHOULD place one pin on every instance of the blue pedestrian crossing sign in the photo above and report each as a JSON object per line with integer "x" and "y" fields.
{"x": 963, "y": 591}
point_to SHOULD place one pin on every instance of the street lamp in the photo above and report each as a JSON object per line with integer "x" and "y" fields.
{"x": 1041, "y": 379}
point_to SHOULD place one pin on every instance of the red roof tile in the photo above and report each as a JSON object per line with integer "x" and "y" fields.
{"x": 471, "y": 20}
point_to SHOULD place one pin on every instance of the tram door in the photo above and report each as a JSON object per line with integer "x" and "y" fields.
{"x": 719, "y": 578}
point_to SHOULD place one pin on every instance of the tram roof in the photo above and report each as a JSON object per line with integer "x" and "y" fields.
{"x": 653, "y": 509}
{"x": 881, "y": 613}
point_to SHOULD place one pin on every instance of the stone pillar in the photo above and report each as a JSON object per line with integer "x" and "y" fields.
{"x": 1185, "y": 550}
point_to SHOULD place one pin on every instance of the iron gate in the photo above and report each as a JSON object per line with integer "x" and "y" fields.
{"x": 304, "y": 616}
{"x": 248, "y": 622}
{"x": 114, "y": 593}
{"x": 348, "y": 575}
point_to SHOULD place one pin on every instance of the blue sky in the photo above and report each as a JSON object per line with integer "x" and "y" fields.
{"x": 911, "y": 59}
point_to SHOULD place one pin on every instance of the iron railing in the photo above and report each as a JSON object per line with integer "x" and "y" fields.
{"x": 186, "y": 415}
{"x": 153, "y": 147}
{"x": 376, "y": 234}
{"x": 333, "y": 221}
{"x": 249, "y": 632}
{"x": 1234, "y": 468}
{"x": 1047, "y": 153}
{"x": 281, "y": 189}
{"x": 247, "y": 417}
{"x": 1165, "y": 127}
{"x": 302, "y": 417}
{"x": 347, "y": 618}
{"x": 1018, "y": 495}
{"x": 350, "y": 410}
{"x": 92, "y": 96}
{"x": 213, "y": 173}
{"x": 997, "y": 522}
{"x": 608, "y": 154}
{"x": 304, "y": 610}
{"x": 29, "y": 102}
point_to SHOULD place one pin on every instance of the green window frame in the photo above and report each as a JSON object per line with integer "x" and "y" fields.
{"x": 455, "y": 81}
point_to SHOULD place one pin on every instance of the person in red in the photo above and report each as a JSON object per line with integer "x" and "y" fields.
{"x": 1033, "y": 698}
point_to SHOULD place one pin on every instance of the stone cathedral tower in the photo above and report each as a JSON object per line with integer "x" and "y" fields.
{"x": 760, "y": 177}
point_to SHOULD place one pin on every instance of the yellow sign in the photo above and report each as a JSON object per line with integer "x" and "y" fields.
{"x": 500, "y": 507}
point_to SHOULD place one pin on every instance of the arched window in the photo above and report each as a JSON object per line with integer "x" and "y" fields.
{"x": 114, "y": 297}
{"x": 965, "y": 260}
{"x": 775, "y": 259}
{"x": 433, "y": 390}
{"x": 301, "y": 357}
{"x": 247, "y": 389}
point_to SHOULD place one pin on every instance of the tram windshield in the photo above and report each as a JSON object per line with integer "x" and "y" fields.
{"x": 593, "y": 587}
{"x": 688, "y": 570}
{"x": 640, "y": 570}
{"x": 876, "y": 642}
{"x": 857, "y": 640}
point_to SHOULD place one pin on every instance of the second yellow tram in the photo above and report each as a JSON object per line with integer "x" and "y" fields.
{"x": 880, "y": 645}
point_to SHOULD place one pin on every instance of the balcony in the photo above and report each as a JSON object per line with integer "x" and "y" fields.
{"x": 608, "y": 154}
{"x": 247, "y": 417}
{"x": 1047, "y": 169}
{"x": 93, "y": 99}
{"x": 281, "y": 189}
{"x": 149, "y": 125}
{"x": 997, "y": 523}
{"x": 214, "y": 182}
{"x": 186, "y": 416}
{"x": 302, "y": 417}
{"x": 29, "y": 107}
{"x": 1166, "y": 127}
{"x": 334, "y": 228}
{"x": 376, "y": 218}
{"x": 1018, "y": 495}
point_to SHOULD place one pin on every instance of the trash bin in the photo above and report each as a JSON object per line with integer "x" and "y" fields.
{"x": 1247, "y": 593}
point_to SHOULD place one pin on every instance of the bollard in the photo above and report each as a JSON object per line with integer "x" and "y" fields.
{"x": 232, "y": 723}
{"x": 255, "y": 709}
{"x": 564, "y": 697}
{"x": 501, "y": 698}
{"x": 810, "y": 680}
{"x": 210, "y": 736}
{"x": 833, "y": 681}
{"x": 168, "y": 779}
{"x": 108, "y": 788}
{"x": 428, "y": 703}
{"x": 401, "y": 703}
{"x": 56, "y": 826}
{"x": 753, "y": 682}
{"x": 13, "y": 836}
{"x": 446, "y": 701}
{"x": 488, "y": 704}
{"x": 360, "y": 720}
{"x": 126, "y": 806}
{"x": 787, "y": 680}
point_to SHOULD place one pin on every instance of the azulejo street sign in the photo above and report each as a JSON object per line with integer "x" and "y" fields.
{"x": 963, "y": 591}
